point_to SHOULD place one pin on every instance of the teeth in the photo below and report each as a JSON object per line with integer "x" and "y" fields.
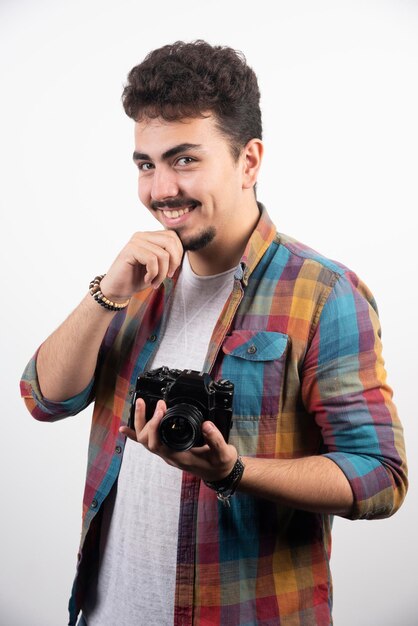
{"x": 178, "y": 213}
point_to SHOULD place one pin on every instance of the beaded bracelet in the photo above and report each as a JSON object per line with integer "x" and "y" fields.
{"x": 95, "y": 291}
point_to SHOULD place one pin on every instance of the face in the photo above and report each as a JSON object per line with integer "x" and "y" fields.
{"x": 189, "y": 180}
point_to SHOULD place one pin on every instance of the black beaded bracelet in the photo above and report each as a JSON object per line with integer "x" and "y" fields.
{"x": 95, "y": 291}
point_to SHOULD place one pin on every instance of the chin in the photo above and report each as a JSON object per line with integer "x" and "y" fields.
{"x": 199, "y": 241}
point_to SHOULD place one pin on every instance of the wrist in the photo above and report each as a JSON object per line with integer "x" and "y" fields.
{"x": 111, "y": 292}
{"x": 226, "y": 487}
{"x": 95, "y": 289}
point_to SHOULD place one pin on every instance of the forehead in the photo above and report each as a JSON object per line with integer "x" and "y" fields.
{"x": 155, "y": 136}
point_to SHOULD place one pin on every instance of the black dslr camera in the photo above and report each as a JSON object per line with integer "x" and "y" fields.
{"x": 191, "y": 397}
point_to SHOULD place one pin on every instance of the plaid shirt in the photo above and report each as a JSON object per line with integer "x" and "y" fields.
{"x": 300, "y": 339}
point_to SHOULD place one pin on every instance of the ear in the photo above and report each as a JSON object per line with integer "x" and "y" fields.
{"x": 252, "y": 155}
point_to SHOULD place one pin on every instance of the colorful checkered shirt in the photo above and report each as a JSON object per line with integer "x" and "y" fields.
{"x": 300, "y": 339}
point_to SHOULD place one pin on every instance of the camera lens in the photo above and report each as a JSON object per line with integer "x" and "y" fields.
{"x": 180, "y": 427}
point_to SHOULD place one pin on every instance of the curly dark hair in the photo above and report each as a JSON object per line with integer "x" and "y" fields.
{"x": 190, "y": 79}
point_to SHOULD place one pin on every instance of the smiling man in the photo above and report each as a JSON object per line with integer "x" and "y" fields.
{"x": 233, "y": 530}
{"x": 190, "y": 180}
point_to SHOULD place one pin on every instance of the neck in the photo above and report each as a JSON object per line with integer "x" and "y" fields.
{"x": 228, "y": 246}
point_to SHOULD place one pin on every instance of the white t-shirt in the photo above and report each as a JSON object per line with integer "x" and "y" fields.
{"x": 138, "y": 546}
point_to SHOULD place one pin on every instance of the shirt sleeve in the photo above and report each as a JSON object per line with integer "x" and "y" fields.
{"x": 344, "y": 386}
{"x": 45, "y": 410}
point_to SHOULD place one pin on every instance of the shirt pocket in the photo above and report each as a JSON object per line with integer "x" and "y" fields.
{"x": 255, "y": 361}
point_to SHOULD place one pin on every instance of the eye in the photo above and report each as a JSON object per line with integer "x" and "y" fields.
{"x": 145, "y": 167}
{"x": 185, "y": 161}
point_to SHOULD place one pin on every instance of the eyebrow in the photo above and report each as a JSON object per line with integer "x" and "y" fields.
{"x": 168, "y": 154}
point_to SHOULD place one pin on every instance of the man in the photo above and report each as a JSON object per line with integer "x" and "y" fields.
{"x": 235, "y": 532}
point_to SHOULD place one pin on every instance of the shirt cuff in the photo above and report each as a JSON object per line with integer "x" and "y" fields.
{"x": 47, "y": 410}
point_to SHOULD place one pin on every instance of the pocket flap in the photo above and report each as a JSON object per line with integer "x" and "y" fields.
{"x": 256, "y": 345}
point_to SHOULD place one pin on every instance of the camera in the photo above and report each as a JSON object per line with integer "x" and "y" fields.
{"x": 191, "y": 397}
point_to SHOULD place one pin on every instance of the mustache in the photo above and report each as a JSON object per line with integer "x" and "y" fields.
{"x": 174, "y": 203}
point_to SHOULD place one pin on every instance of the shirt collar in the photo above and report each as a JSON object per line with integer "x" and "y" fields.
{"x": 260, "y": 239}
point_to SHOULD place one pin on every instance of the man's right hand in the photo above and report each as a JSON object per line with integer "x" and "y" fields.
{"x": 67, "y": 359}
{"x": 145, "y": 261}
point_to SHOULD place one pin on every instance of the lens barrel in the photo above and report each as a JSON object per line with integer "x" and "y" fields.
{"x": 181, "y": 427}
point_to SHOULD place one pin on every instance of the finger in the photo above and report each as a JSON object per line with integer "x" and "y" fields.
{"x": 155, "y": 259}
{"x": 157, "y": 265}
{"x": 154, "y": 441}
{"x": 213, "y": 436}
{"x": 139, "y": 417}
{"x": 128, "y": 432}
{"x": 169, "y": 241}
{"x": 225, "y": 453}
{"x": 166, "y": 239}
{"x": 175, "y": 247}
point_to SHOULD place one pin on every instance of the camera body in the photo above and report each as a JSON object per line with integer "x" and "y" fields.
{"x": 191, "y": 397}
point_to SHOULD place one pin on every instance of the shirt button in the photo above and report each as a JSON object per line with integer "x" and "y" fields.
{"x": 118, "y": 449}
{"x": 94, "y": 504}
{"x": 153, "y": 338}
{"x": 252, "y": 349}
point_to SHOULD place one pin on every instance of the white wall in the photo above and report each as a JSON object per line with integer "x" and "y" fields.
{"x": 340, "y": 101}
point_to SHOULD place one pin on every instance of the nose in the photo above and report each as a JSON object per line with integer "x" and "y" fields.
{"x": 164, "y": 184}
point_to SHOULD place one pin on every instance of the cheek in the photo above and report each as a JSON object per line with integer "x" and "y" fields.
{"x": 143, "y": 190}
{"x": 228, "y": 181}
{"x": 190, "y": 186}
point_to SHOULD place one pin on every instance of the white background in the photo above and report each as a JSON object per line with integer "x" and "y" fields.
{"x": 340, "y": 101}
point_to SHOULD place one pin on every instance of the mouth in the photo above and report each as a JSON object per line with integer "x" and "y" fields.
{"x": 174, "y": 214}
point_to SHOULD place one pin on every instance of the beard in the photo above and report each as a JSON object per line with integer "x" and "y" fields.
{"x": 199, "y": 241}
